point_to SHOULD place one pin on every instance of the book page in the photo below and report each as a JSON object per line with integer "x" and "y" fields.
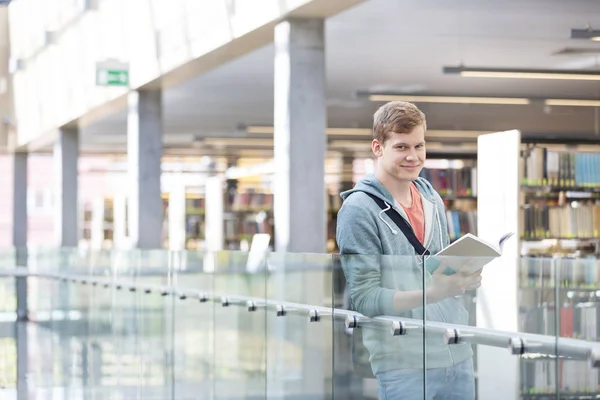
{"x": 470, "y": 252}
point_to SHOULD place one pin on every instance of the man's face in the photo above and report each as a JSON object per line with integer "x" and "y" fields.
{"x": 402, "y": 156}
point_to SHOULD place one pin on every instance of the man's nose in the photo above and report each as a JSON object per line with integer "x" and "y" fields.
{"x": 412, "y": 154}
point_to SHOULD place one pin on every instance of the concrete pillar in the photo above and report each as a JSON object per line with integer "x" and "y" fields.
{"x": 144, "y": 153}
{"x": 19, "y": 228}
{"x": 66, "y": 156}
{"x": 300, "y": 139}
{"x": 19, "y": 214}
{"x": 300, "y": 121}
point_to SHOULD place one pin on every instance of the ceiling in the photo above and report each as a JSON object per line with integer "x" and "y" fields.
{"x": 401, "y": 45}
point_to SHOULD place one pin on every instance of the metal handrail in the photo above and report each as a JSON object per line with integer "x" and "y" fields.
{"x": 518, "y": 343}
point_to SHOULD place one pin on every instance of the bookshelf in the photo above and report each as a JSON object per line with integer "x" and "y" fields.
{"x": 184, "y": 224}
{"x": 333, "y": 203}
{"x": 456, "y": 182}
{"x": 547, "y": 281}
{"x": 246, "y": 214}
{"x": 251, "y": 212}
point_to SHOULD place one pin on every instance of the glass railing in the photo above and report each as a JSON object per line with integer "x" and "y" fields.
{"x": 232, "y": 325}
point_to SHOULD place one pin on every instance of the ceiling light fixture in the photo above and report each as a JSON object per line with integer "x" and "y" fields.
{"x": 268, "y": 130}
{"x": 572, "y": 102}
{"x": 454, "y": 134}
{"x": 521, "y": 73}
{"x": 238, "y": 142}
{"x": 367, "y": 133}
{"x": 450, "y": 99}
{"x": 587, "y": 34}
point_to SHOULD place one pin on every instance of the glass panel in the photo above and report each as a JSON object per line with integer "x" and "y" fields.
{"x": 98, "y": 327}
{"x": 8, "y": 258}
{"x": 8, "y": 345}
{"x": 350, "y": 368}
{"x": 239, "y": 335}
{"x": 537, "y": 315}
{"x": 450, "y": 284}
{"x": 194, "y": 329}
{"x": 578, "y": 318}
{"x": 298, "y": 353}
{"x": 386, "y": 350}
{"x": 8, "y": 296}
{"x": 41, "y": 297}
{"x": 154, "y": 324}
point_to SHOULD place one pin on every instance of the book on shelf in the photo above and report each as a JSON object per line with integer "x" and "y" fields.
{"x": 548, "y": 220}
{"x": 578, "y": 273}
{"x": 452, "y": 181}
{"x": 458, "y": 189}
{"x": 573, "y": 320}
{"x": 560, "y": 168}
{"x": 249, "y": 201}
{"x": 460, "y": 222}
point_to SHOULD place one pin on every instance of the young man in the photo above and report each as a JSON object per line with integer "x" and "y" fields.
{"x": 385, "y": 274}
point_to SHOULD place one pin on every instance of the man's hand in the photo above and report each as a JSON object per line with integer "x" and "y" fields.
{"x": 443, "y": 286}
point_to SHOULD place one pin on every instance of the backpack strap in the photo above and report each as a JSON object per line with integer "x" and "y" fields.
{"x": 402, "y": 223}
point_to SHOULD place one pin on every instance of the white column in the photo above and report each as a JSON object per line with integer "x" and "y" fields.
{"x": 144, "y": 152}
{"x": 177, "y": 219}
{"x": 498, "y": 210}
{"x": 213, "y": 224}
{"x": 66, "y": 156}
{"x": 300, "y": 140}
{"x": 19, "y": 228}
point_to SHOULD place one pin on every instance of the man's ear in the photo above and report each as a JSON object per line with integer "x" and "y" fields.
{"x": 376, "y": 147}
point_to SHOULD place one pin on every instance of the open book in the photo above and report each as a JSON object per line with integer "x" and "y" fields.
{"x": 470, "y": 251}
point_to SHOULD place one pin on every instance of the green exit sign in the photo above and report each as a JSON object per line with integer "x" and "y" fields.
{"x": 112, "y": 74}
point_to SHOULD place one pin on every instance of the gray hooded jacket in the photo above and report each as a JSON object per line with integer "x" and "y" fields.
{"x": 378, "y": 260}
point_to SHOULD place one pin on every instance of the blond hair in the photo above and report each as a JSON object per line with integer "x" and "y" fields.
{"x": 396, "y": 117}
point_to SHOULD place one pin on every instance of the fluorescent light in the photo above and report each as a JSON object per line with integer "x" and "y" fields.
{"x": 450, "y": 99}
{"x": 587, "y": 34}
{"x": 237, "y": 142}
{"x": 366, "y": 145}
{"x": 259, "y": 129}
{"x": 572, "y": 102}
{"x": 454, "y": 134}
{"x": 269, "y": 130}
{"x": 349, "y": 132}
{"x": 433, "y": 133}
{"x": 529, "y": 75}
{"x": 451, "y": 146}
{"x": 477, "y": 72}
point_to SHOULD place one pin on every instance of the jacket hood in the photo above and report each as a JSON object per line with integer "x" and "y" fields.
{"x": 371, "y": 184}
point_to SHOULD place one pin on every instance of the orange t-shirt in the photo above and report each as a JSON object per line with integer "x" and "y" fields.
{"x": 415, "y": 213}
